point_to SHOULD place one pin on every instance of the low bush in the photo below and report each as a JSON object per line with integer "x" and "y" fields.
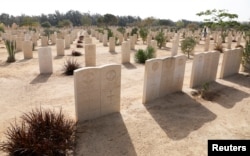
{"x": 218, "y": 47}
{"x": 142, "y": 55}
{"x": 188, "y": 45}
{"x": 70, "y": 65}
{"x": 41, "y": 132}
{"x": 76, "y": 53}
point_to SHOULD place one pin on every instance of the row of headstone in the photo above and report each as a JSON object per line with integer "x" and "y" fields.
{"x": 164, "y": 76}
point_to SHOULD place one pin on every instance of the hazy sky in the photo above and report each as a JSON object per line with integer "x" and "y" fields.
{"x": 164, "y": 9}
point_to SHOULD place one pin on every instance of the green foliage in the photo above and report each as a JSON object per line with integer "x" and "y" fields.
{"x": 205, "y": 90}
{"x": 142, "y": 55}
{"x": 110, "y": 33}
{"x": 160, "y": 38}
{"x": 143, "y": 33}
{"x": 64, "y": 23}
{"x": 70, "y": 65}
{"x": 188, "y": 45}
{"x": 110, "y": 19}
{"x": 219, "y": 18}
{"x": 48, "y": 31}
{"x": 46, "y": 24}
{"x": 134, "y": 31}
{"x": 122, "y": 30}
{"x": 2, "y": 27}
{"x": 41, "y": 132}
{"x": 11, "y": 47}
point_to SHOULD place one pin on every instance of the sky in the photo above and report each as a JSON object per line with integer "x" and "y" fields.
{"x": 162, "y": 9}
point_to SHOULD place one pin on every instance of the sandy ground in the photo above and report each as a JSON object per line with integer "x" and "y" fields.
{"x": 177, "y": 125}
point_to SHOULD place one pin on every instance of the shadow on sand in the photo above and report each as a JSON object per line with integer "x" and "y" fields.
{"x": 107, "y": 135}
{"x": 41, "y": 78}
{"x": 240, "y": 79}
{"x": 129, "y": 65}
{"x": 178, "y": 114}
{"x": 228, "y": 96}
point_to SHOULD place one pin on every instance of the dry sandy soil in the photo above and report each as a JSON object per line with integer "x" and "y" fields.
{"x": 177, "y": 125}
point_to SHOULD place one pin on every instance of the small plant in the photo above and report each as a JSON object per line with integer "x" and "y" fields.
{"x": 160, "y": 38}
{"x": 41, "y": 132}
{"x": 79, "y": 46}
{"x": 218, "y": 47}
{"x": 10, "y": 46}
{"x": 70, "y": 65}
{"x": 110, "y": 33}
{"x": 122, "y": 30}
{"x": 81, "y": 38}
{"x": 142, "y": 55}
{"x": 134, "y": 31}
{"x": 205, "y": 91}
{"x": 79, "y": 41}
{"x": 143, "y": 33}
{"x": 76, "y": 53}
{"x": 188, "y": 45}
{"x": 2, "y": 27}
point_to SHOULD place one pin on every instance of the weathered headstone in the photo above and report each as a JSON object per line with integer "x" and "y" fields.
{"x": 132, "y": 42}
{"x": 175, "y": 45}
{"x": 152, "y": 80}
{"x": 27, "y": 49}
{"x": 44, "y": 41}
{"x": 231, "y": 62}
{"x": 97, "y": 91}
{"x": 207, "y": 41}
{"x": 88, "y": 40}
{"x": 112, "y": 44}
{"x": 45, "y": 60}
{"x": 105, "y": 40}
{"x": 126, "y": 52}
{"x": 60, "y": 47}
{"x": 67, "y": 41}
{"x": 229, "y": 41}
{"x": 90, "y": 55}
{"x": 166, "y": 85}
{"x": 204, "y": 69}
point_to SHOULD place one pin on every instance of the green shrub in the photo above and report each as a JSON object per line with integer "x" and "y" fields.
{"x": 188, "y": 45}
{"x": 41, "y": 132}
{"x": 134, "y": 31}
{"x": 110, "y": 33}
{"x": 121, "y": 30}
{"x": 143, "y": 33}
{"x": 142, "y": 55}
{"x": 160, "y": 38}
{"x": 10, "y": 46}
{"x": 70, "y": 65}
{"x": 2, "y": 27}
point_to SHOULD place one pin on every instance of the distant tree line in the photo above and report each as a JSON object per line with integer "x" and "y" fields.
{"x": 76, "y": 18}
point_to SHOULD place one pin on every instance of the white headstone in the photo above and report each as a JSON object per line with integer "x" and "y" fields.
{"x": 60, "y": 47}
{"x": 45, "y": 60}
{"x": 90, "y": 55}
